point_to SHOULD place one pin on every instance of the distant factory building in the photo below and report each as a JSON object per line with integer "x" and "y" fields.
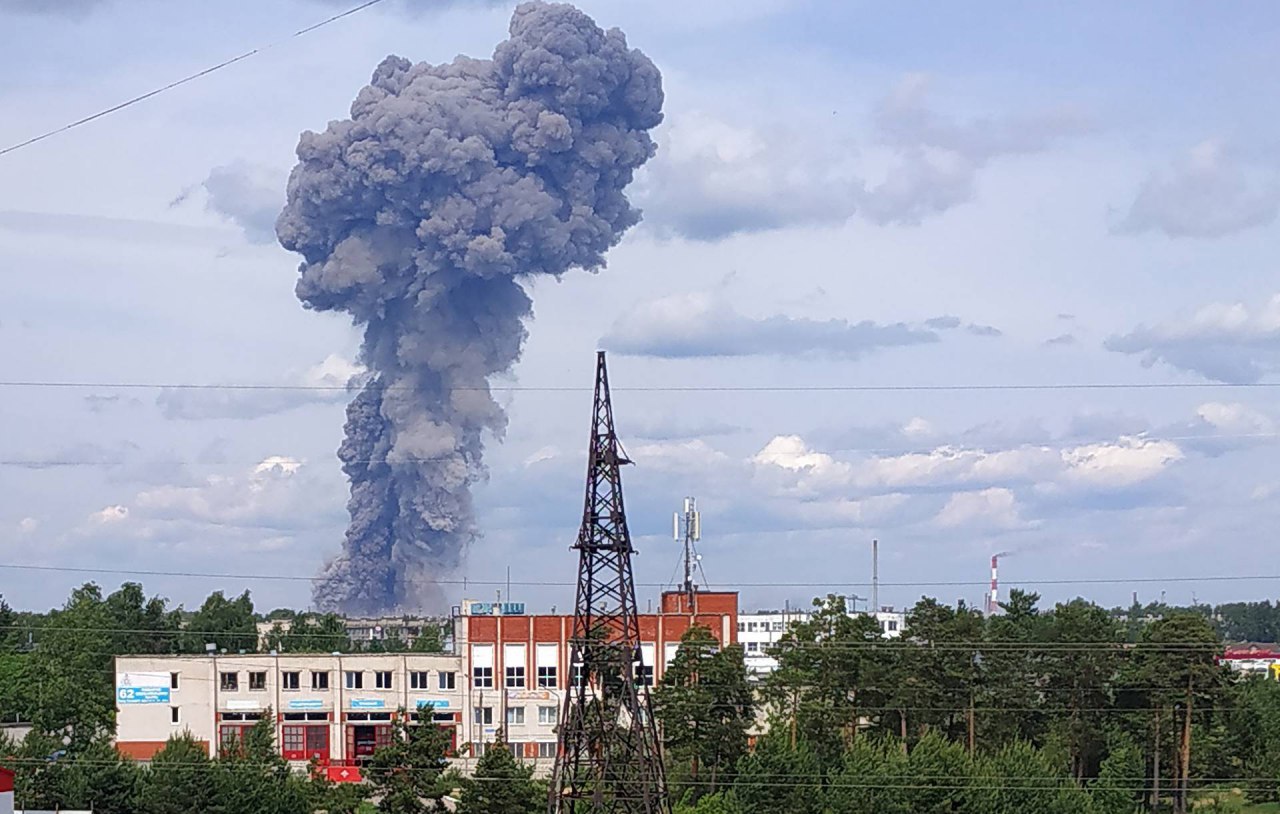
{"x": 1253, "y": 659}
{"x": 363, "y": 631}
{"x": 760, "y": 632}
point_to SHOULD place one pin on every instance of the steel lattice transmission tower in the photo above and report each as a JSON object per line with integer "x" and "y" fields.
{"x": 609, "y": 759}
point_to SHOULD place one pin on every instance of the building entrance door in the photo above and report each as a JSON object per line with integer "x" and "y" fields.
{"x": 364, "y": 741}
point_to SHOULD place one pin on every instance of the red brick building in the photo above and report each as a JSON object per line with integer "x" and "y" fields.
{"x": 516, "y": 665}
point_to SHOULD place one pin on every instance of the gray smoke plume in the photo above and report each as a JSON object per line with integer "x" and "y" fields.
{"x": 419, "y": 216}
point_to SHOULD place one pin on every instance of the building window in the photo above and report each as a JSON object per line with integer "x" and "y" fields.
{"x": 229, "y": 682}
{"x": 515, "y": 677}
{"x": 230, "y": 737}
{"x": 515, "y": 715}
{"x": 418, "y": 680}
{"x": 752, "y": 647}
{"x": 477, "y": 748}
{"x": 547, "y": 715}
{"x": 293, "y": 739}
{"x": 317, "y": 739}
{"x": 517, "y": 749}
{"x": 319, "y": 681}
{"x": 893, "y": 625}
{"x": 289, "y": 681}
{"x": 446, "y": 681}
{"x": 354, "y": 680}
{"x": 174, "y": 716}
{"x": 576, "y": 676}
{"x": 751, "y": 627}
{"x": 482, "y": 677}
{"x": 382, "y": 737}
{"x": 484, "y": 716}
{"x": 257, "y": 681}
{"x": 644, "y": 675}
{"x": 173, "y": 681}
{"x": 546, "y": 677}
{"x": 742, "y": 627}
{"x": 778, "y": 627}
{"x": 382, "y": 679}
{"x": 547, "y": 749}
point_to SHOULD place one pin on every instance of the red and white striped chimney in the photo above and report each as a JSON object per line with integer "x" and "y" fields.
{"x": 993, "y": 602}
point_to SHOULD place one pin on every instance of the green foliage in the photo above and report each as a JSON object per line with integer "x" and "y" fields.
{"x": 252, "y": 777}
{"x": 76, "y": 686}
{"x": 1112, "y": 792}
{"x": 718, "y": 803}
{"x": 501, "y": 785}
{"x": 941, "y": 772}
{"x": 1019, "y": 778}
{"x": 310, "y": 633}
{"x": 872, "y": 779}
{"x": 822, "y": 664}
{"x": 179, "y": 778}
{"x": 431, "y": 639}
{"x": 776, "y": 778}
{"x": 705, "y": 707}
{"x": 229, "y": 624}
{"x": 1079, "y": 673}
{"x": 407, "y": 774}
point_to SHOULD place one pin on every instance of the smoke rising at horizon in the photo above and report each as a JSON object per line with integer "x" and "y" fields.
{"x": 418, "y": 216}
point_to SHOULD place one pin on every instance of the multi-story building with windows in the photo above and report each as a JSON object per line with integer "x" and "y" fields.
{"x": 510, "y": 671}
{"x": 759, "y": 632}
{"x": 328, "y": 708}
{"x": 518, "y": 664}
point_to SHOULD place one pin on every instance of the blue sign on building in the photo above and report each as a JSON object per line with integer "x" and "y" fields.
{"x": 306, "y": 703}
{"x": 142, "y": 695}
{"x": 367, "y": 703}
{"x": 434, "y": 703}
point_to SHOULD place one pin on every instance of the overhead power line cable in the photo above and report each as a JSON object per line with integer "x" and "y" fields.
{"x": 184, "y": 80}
{"x": 693, "y": 388}
{"x": 725, "y": 584}
{"x": 957, "y": 444}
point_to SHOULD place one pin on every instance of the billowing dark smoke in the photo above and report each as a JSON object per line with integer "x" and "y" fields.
{"x": 419, "y": 216}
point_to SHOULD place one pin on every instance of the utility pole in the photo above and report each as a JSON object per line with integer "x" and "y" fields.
{"x": 875, "y": 576}
{"x": 609, "y": 758}
{"x": 688, "y": 530}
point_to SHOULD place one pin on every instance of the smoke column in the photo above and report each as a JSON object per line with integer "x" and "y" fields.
{"x": 419, "y": 216}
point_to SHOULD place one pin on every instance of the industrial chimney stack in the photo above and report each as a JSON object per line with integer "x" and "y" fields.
{"x": 993, "y": 600}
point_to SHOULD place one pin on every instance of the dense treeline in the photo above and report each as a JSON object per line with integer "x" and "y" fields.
{"x": 57, "y": 666}
{"x": 1073, "y": 708}
{"x": 1029, "y": 710}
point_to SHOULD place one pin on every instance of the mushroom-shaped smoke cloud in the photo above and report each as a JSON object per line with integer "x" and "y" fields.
{"x": 419, "y": 216}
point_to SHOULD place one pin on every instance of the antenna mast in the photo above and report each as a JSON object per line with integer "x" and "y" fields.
{"x": 688, "y": 530}
{"x": 609, "y": 759}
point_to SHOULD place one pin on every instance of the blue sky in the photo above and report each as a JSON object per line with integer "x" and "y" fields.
{"x": 845, "y": 193}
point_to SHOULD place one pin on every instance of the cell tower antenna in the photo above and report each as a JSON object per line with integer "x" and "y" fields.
{"x": 609, "y": 758}
{"x": 688, "y": 530}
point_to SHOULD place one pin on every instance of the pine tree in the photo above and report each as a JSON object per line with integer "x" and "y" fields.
{"x": 500, "y": 785}
{"x": 871, "y": 779}
{"x": 823, "y": 663}
{"x": 1112, "y": 792}
{"x": 179, "y": 779}
{"x": 253, "y": 778}
{"x": 779, "y": 779}
{"x": 705, "y": 707}
{"x": 407, "y": 773}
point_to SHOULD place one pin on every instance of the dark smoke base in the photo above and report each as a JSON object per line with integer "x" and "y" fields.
{"x": 418, "y": 216}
